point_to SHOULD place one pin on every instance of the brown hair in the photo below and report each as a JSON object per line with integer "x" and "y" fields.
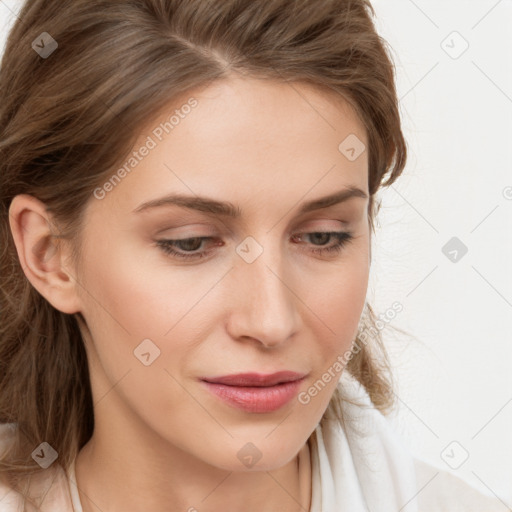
{"x": 68, "y": 119}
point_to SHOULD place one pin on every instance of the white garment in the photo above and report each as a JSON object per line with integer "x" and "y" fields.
{"x": 362, "y": 467}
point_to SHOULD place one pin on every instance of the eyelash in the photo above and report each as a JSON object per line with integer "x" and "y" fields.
{"x": 344, "y": 237}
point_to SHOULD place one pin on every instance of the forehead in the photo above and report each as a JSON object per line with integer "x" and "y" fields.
{"x": 250, "y": 136}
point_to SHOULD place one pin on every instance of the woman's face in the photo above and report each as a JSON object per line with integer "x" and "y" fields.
{"x": 262, "y": 291}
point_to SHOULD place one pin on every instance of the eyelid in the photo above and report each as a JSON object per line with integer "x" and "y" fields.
{"x": 337, "y": 224}
{"x": 178, "y": 224}
{"x": 214, "y": 231}
{"x": 212, "y": 228}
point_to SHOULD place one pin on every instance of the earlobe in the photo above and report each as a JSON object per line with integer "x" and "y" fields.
{"x": 41, "y": 253}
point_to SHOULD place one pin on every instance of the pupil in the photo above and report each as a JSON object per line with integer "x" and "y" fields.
{"x": 323, "y": 237}
{"x": 189, "y": 244}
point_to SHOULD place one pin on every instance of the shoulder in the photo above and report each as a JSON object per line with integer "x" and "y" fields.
{"x": 48, "y": 487}
{"x": 442, "y": 491}
{"x": 374, "y": 443}
{"x": 10, "y": 501}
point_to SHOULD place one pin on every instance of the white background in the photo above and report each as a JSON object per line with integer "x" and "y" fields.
{"x": 453, "y": 373}
{"x": 454, "y": 378}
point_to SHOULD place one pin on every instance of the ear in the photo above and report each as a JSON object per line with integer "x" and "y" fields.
{"x": 41, "y": 254}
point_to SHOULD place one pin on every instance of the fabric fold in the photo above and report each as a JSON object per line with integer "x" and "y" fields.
{"x": 361, "y": 466}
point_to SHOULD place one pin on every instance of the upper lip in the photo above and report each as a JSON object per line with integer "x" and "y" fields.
{"x": 256, "y": 379}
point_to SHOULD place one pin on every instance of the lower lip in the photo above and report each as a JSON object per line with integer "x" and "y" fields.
{"x": 256, "y": 399}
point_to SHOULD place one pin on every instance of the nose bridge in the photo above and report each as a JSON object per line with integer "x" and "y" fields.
{"x": 264, "y": 304}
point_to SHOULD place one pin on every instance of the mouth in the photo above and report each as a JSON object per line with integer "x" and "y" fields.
{"x": 256, "y": 393}
{"x": 256, "y": 379}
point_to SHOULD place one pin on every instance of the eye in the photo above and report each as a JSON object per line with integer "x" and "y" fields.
{"x": 187, "y": 244}
{"x": 342, "y": 238}
{"x": 190, "y": 246}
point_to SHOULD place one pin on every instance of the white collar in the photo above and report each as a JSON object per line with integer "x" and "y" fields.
{"x": 362, "y": 466}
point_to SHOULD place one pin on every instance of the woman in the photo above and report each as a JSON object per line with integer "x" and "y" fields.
{"x": 188, "y": 196}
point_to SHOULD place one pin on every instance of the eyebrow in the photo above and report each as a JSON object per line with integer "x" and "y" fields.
{"x": 227, "y": 209}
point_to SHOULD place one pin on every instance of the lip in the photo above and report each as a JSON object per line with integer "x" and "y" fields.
{"x": 255, "y": 379}
{"x": 255, "y": 392}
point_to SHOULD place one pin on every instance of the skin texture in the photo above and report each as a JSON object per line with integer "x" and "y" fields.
{"x": 266, "y": 147}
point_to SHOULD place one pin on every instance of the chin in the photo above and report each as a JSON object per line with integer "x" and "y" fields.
{"x": 264, "y": 455}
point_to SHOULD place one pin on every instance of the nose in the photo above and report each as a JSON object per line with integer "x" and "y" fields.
{"x": 264, "y": 305}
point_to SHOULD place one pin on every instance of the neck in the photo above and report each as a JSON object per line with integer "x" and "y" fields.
{"x": 107, "y": 475}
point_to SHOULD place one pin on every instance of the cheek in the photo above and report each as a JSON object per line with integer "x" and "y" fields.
{"x": 128, "y": 288}
{"x": 338, "y": 298}
{"x": 132, "y": 295}
{"x": 128, "y": 301}
{"x": 118, "y": 296}
{"x": 337, "y": 312}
